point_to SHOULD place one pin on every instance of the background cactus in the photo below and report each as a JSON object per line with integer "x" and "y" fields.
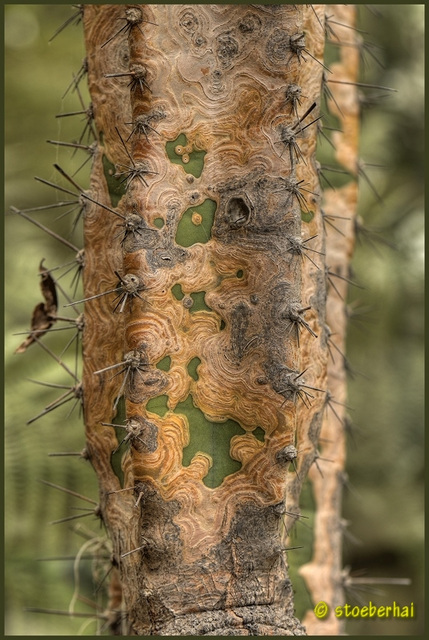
{"x": 235, "y": 202}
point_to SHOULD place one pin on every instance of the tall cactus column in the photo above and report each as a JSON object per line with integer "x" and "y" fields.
{"x": 324, "y": 574}
{"x": 213, "y": 338}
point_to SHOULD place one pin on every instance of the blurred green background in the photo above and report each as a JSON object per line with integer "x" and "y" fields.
{"x": 385, "y": 347}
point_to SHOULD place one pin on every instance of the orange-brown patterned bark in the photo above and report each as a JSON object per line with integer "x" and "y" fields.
{"x": 195, "y": 559}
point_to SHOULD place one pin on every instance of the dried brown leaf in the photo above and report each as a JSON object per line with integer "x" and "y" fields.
{"x": 44, "y": 314}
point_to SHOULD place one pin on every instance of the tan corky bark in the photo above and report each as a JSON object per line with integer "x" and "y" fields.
{"x": 192, "y": 559}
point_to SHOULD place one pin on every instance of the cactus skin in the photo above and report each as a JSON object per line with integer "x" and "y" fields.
{"x": 206, "y": 324}
{"x": 208, "y": 559}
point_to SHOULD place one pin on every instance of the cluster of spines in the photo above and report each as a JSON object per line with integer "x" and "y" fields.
{"x": 45, "y": 317}
{"x": 129, "y": 286}
{"x": 288, "y": 137}
{"x": 289, "y": 130}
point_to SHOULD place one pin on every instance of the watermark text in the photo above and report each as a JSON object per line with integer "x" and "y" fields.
{"x": 370, "y": 610}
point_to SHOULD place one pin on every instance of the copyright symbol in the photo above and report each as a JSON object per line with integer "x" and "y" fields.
{"x": 321, "y": 610}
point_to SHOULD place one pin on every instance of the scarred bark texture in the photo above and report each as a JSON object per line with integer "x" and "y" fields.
{"x": 193, "y": 559}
